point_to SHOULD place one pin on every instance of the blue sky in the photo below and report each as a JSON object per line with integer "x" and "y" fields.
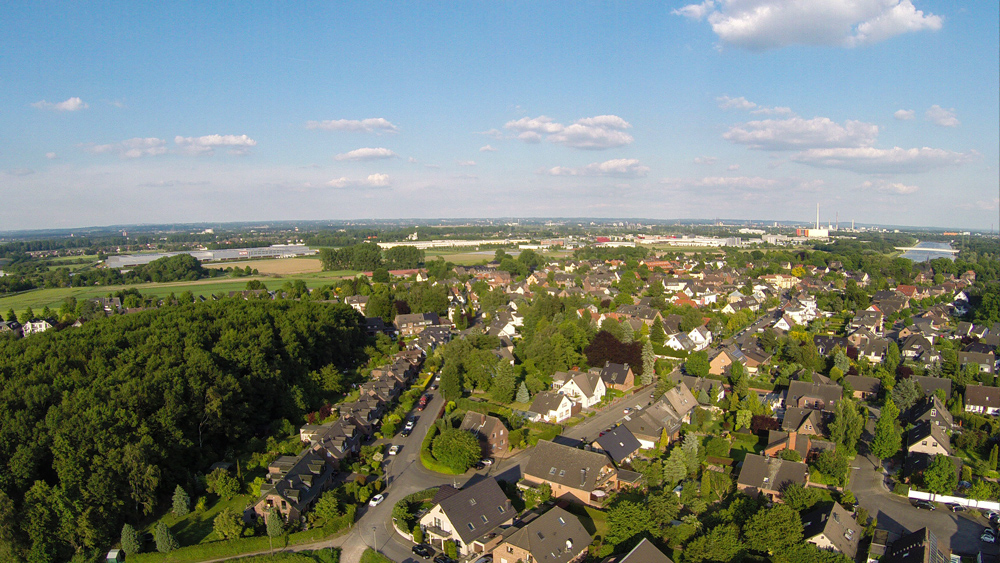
{"x": 880, "y": 110}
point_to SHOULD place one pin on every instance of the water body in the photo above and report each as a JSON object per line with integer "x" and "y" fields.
{"x": 927, "y": 252}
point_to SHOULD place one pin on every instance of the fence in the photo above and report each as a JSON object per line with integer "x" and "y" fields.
{"x": 966, "y": 502}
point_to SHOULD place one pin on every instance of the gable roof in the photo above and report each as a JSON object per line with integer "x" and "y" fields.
{"x": 864, "y": 384}
{"x": 837, "y": 524}
{"x": 919, "y": 547}
{"x": 645, "y": 552}
{"x": 481, "y": 424}
{"x": 570, "y": 467}
{"x": 829, "y": 394}
{"x": 619, "y": 443}
{"x": 554, "y": 537}
{"x": 982, "y": 396}
{"x": 679, "y": 399}
{"x": 771, "y": 473}
{"x": 924, "y": 430}
{"x": 546, "y": 402}
{"x": 587, "y": 383}
{"x": 931, "y": 384}
{"x": 615, "y": 374}
{"x": 477, "y": 510}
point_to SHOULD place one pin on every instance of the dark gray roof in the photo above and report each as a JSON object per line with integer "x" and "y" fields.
{"x": 645, "y": 552}
{"x": 545, "y": 402}
{"x": 619, "y": 443}
{"x": 554, "y": 537}
{"x": 568, "y": 466}
{"x": 771, "y": 473}
{"x": 829, "y": 394}
{"x": 837, "y": 524}
{"x": 477, "y": 510}
{"x": 614, "y": 374}
{"x": 919, "y": 547}
{"x": 931, "y": 409}
{"x": 981, "y": 396}
{"x": 794, "y": 417}
{"x": 924, "y": 430}
{"x": 931, "y": 384}
{"x": 864, "y": 384}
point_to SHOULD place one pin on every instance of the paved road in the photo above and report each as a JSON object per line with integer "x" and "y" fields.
{"x": 896, "y": 514}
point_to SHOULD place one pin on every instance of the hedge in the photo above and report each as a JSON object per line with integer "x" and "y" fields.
{"x": 427, "y": 459}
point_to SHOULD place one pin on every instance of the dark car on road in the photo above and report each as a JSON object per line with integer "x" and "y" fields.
{"x": 442, "y": 558}
{"x": 422, "y": 550}
{"x": 924, "y": 505}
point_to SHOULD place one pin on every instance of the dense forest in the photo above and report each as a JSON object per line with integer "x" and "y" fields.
{"x": 368, "y": 257}
{"x": 99, "y": 424}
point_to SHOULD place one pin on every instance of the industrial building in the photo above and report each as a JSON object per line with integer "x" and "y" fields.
{"x": 274, "y": 251}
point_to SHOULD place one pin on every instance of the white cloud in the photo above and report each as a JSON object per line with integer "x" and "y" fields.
{"x": 51, "y": 155}
{"x": 21, "y": 172}
{"x": 903, "y": 114}
{"x": 705, "y": 160}
{"x": 487, "y": 148}
{"x": 895, "y": 188}
{"x": 725, "y": 102}
{"x": 724, "y": 182}
{"x": 618, "y": 168}
{"x": 367, "y": 153}
{"x": 881, "y": 161}
{"x": 370, "y": 125}
{"x": 540, "y": 124}
{"x": 132, "y": 148}
{"x": 206, "y": 145}
{"x": 769, "y": 24}
{"x": 72, "y": 104}
{"x": 411, "y": 160}
{"x": 779, "y": 110}
{"x": 372, "y": 181}
{"x": 466, "y": 163}
{"x": 798, "y": 133}
{"x": 598, "y": 132}
{"x": 495, "y": 133}
{"x": 733, "y": 167}
{"x": 941, "y": 116}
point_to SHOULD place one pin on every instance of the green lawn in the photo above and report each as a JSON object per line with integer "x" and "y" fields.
{"x": 740, "y": 449}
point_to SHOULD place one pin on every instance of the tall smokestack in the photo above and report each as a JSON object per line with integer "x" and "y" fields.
{"x": 817, "y": 216}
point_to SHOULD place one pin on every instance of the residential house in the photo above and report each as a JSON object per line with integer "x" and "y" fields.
{"x": 720, "y": 364}
{"x": 919, "y": 547}
{"x": 862, "y": 387}
{"x": 618, "y": 376}
{"x": 818, "y": 396}
{"x": 713, "y": 388}
{"x": 575, "y": 475}
{"x": 490, "y": 431}
{"x": 806, "y": 447}
{"x": 644, "y": 552}
{"x": 770, "y": 475}
{"x": 35, "y": 326}
{"x": 803, "y": 421}
{"x": 357, "y": 302}
{"x": 931, "y": 384}
{"x": 550, "y": 407}
{"x": 468, "y": 517}
{"x": 918, "y": 348}
{"x": 701, "y": 336}
{"x": 929, "y": 439}
{"x": 832, "y": 528}
{"x": 987, "y": 362}
{"x": 554, "y": 537}
{"x": 931, "y": 410}
{"x": 410, "y": 324}
{"x": 618, "y": 443}
{"x": 294, "y": 483}
{"x": 982, "y": 400}
{"x": 585, "y": 388}
{"x": 825, "y": 344}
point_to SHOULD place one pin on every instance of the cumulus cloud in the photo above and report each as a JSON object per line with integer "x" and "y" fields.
{"x": 883, "y": 161}
{"x": 903, "y": 114}
{"x": 72, "y": 104}
{"x": 51, "y": 155}
{"x": 618, "y": 168}
{"x": 725, "y": 102}
{"x": 495, "y": 133}
{"x": 733, "y": 167}
{"x": 372, "y": 181}
{"x": 370, "y": 125}
{"x": 798, "y": 133}
{"x": 723, "y": 183}
{"x": 895, "y": 188}
{"x": 466, "y": 162}
{"x": 941, "y": 116}
{"x": 367, "y": 153}
{"x": 705, "y": 160}
{"x": 770, "y": 24}
{"x": 206, "y": 145}
{"x": 137, "y": 147}
{"x": 778, "y": 110}
{"x": 487, "y": 148}
{"x": 594, "y": 133}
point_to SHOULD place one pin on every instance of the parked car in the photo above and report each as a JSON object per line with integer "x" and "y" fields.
{"x": 422, "y": 550}
{"x": 442, "y": 558}
{"x": 376, "y": 500}
{"x": 988, "y": 535}
{"x": 486, "y": 461}
{"x": 956, "y": 508}
{"x": 627, "y": 410}
{"x": 478, "y": 465}
{"x": 409, "y": 424}
{"x": 924, "y": 505}
{"x": 393, "y": 449}
{"x": 485, "y": 559}
{"x": 405, "y": 433}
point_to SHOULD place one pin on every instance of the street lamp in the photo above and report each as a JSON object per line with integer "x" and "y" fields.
{"x": 374, "y": 541}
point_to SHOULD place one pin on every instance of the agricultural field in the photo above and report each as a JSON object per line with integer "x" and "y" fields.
{"x": 284, "y": 266}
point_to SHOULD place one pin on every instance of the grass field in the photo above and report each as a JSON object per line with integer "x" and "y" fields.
{"x": 38, "y": 299}
{"x": 285, "y": 266}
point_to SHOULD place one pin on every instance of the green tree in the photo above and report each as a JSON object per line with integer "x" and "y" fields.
{"x": 743, "y": 418}
{"x": 887, "y": 438}
{"x": 181, "y": 502}
{"x": 847, "y": 425}
{"x": 691, "y": 454}
{"x": 451, "y": 381}
{"x": 627, "y": 522}
{"x": 801, "y": 498}
{"x": 504, "y": 380}
{"x": 992, "y": 463}
{"x": 165, "y": 540}
{"x": 130, "y": 540}
{"x": 773, "y": 530}
{"x": 940, "y": 477}
{"x": 228, "y": 525}
{"x": 458, "y": 449}
{"x": 522, "y": 393}
{"x": 905, "y": 393}
{"x": 648, "y": 363}
{"x": 657, "y": 335}
{"x": 832, "y": 464}
{"x": 675, "y": 467}
{"x": 27, "y": 315}
{"x": 222, "y": 483}
{"x": 721, "y": 543}
{"x": 11, "y": 315}
{"x": 275, "y": 524}
{"x": 697, "y": 364}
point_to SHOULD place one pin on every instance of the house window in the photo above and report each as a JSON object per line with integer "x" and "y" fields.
{"x": 562, "y": 472}
{"x": 437, "y": 522}
{"x": 471, "y": 526}
{"x": 485, "y": 519}
{"x": 501, "y": 509}
{"x": 924, "y": 443}
{"x": 472, "y": 502}
{"x": 552, "y": 471}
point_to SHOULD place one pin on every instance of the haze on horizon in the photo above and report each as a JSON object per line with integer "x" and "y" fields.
{"x": 882, "y": 111}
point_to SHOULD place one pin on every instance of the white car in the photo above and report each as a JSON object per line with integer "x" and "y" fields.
{"x": 409, "y": 425}
{"x": 486, "y": 461}
{"x": 989, "y": 536}
{"x": 376, "y": 500}
{"x": 394, "y": 449}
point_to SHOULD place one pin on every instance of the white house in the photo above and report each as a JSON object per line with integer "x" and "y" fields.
{"x": 701, "y": 336}
{"x": 550, "y": 407}
{"x": 586, "y": 389}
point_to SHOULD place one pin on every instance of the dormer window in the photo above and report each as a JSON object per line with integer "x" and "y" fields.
{"x": 472, "y": 502}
